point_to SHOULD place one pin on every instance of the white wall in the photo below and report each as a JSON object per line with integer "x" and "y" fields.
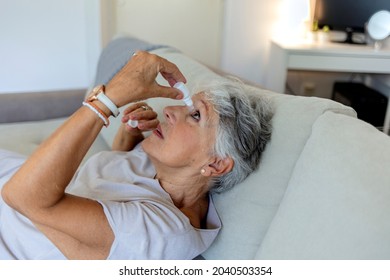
{"x": 249, "y": 26}
{"x": 44, "y": 44}
{"x": 54, "y": 45}
{"x": 231, "y": 34}
{"x": 50, "y": 45}
{"x": 192, "y": 26}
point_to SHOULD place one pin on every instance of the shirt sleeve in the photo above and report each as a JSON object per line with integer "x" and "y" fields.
{"x": 151, "y": 230}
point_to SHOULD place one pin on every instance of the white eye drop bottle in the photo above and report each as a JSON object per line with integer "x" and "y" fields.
{"x": 132, "y": 123}
{"x": 187, "y": 97}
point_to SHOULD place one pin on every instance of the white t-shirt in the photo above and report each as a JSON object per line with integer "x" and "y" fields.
{"x": 145, "y": 222}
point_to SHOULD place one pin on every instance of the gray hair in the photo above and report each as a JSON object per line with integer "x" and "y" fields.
{"x": 243, "y": 131}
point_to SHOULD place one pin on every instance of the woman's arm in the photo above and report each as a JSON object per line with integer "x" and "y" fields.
{"x": 78, "y": 226}
{"x": 37, "y": 191}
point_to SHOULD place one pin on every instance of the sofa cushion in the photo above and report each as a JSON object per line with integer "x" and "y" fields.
{"x": 116, "y": 54}
{"x": 25, "y": 137}
{"x": 38, "y": 106}
{"x": 337, "y": 202}
{"x": 248, "y": 209}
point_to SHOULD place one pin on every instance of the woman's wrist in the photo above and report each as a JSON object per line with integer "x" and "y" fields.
{"x": 103, "y": 108}
{"x": 118, "y": 96}
{"x": 125, "y": 140}
{"x": 98, "y": 95}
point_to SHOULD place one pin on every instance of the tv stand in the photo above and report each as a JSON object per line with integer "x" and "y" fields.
{"x": 329, "y": 57}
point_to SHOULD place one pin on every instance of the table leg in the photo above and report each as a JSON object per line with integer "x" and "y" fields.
{"x": 386, "y": 126}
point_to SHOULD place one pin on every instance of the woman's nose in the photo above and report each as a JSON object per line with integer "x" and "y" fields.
{"x": 173, "y": 113}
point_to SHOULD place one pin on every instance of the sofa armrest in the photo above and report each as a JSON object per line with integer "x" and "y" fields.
{"x": 18, "y": 107}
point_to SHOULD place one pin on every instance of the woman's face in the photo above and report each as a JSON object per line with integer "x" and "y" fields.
{"x": 185, "y": 138}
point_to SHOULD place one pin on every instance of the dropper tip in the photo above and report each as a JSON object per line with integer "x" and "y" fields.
{"x": 133, "y": 123}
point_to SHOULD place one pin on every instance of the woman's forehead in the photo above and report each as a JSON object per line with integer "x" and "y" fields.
{"x": 203, "y": 97}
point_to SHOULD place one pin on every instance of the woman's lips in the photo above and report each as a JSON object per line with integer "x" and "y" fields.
{"x": 158, "y": 132}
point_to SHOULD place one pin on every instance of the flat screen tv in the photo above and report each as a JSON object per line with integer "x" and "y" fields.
{"x": 349, "y": 16}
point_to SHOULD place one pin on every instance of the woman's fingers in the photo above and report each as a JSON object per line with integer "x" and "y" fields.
{"x": 143, "y": 113}
{"x": 137, "y": 79}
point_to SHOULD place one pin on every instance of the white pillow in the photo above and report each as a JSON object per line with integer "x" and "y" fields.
{"x": 337, "y": 205}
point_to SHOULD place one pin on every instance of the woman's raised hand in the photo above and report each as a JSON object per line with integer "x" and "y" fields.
{"x": 142, "y": 114}
{"x": 137, "y": 79}
{"x": 127, "y": 136}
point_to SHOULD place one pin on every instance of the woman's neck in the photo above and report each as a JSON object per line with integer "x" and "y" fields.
{"x": 185, "y": 190}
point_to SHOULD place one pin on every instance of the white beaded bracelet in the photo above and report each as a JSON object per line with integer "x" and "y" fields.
{"x": 98, "y": 112}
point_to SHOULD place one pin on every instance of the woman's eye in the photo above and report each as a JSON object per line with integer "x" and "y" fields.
{"x": 195, "y": 115}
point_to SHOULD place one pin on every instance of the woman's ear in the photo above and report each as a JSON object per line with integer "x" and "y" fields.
{"x": 219, "y": 167}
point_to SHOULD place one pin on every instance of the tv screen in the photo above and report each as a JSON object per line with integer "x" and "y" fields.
{"x": 347, "y": 15}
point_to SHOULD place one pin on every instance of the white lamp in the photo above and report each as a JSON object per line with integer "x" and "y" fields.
{"x": 378, "y": 27}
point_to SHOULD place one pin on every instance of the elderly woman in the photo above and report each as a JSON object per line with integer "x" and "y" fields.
{"x": 148, "y": 199}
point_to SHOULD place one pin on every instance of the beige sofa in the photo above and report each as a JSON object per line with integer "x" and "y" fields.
{"x": 322, "y": 190}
